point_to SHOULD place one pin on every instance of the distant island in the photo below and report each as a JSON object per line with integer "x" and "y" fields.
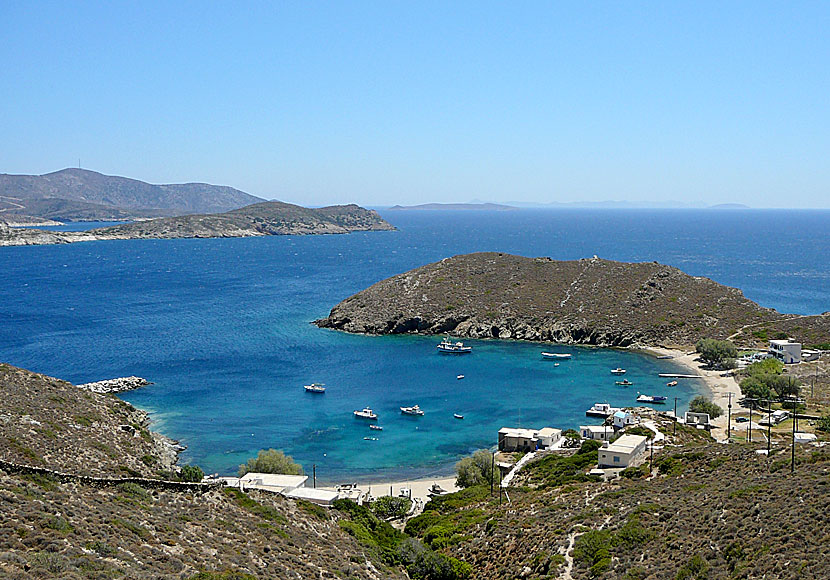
{"x": 83, "y": 195}
{"x": 270, "y": 218}
{"x": 590, "y": 301}
{"x": 454, "y": 206}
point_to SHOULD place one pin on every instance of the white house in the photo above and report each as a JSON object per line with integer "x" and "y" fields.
{"x": 775, "y": 418}
{"x": 624, "y": 452}
{"x": 274, "y": 482}
{"x": 697, "y": 420}
{"x": 322, "y": 497}
{"x": 786, "y": 351}
{"x": 596, "y": 432}
{"x": 623, "y": 419}
{"x": 515, "y": 439}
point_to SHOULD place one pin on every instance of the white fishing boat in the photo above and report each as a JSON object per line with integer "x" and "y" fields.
{"x": 375, "y": 427}
{"x": 650, "y": 399}
{"x": 447, "y": 346}
{"x": 413, "y": 410}
{"x": 315, "y": 388}
{"x": 618, "y": 371}
{"x": 370, "y": 438}
{"x": 459, "y": 377}
{"x": 601, "y": 410}
{"x": 671, "y": 384}
{"x": 554, "y": 355}
{"x": 366, "y": 413}
{"x": 458, "y": 415}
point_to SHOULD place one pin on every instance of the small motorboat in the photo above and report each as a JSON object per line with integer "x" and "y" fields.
{"x": 366, "y": 413}
{"x": 671, "y": 384}
{"x": 375, "y": 427}
{"x": 459, "y": 377}
{"x": 413, "y": 410}
{"x": 370, "y": 438}
{"x": 436, "y": 489}
{"x": 624, "y": 383}
{"x": 601, "y": 410}
{"x": 458, "y": 415}
{"x": 618, "y": 371}
{"x": 447, "y": 346}
{"x": 650, "y": 399}
{"x": 554, "y": 355}
{"x": 556, "y": 364}
{"x": 315, "y": 388}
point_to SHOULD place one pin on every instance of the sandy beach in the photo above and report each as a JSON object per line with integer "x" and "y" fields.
{"x": 419, "y": 488}
{"x": 719, "y": 387}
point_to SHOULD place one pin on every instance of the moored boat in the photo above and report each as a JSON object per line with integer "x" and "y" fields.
{"x": 671, "y": 384}
{"x": 618, "y": 371}
{"x": 601, "y": 410}
{"x": 376, "y": 427}
{"x": 624, "y": 383}
{"x": 366, "y": 413}
{"x": 554, "y": 355}
{"x": 459, "y": 377}
{"x": 315, "y": 388}
{"x": 447, "y": 346}
{"x": 651, "y": 399}
{"x": 413, "y": 410}
{"x": 458, "y": 415}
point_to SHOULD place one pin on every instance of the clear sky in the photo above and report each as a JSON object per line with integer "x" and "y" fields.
{"x": 413, "y": 102}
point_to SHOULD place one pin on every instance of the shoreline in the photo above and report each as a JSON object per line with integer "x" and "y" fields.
{"x": 719, "y": 387}
{"x": 419, "y": 488}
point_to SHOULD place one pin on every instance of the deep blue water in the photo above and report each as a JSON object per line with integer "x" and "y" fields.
{"x": 222, "y": 328}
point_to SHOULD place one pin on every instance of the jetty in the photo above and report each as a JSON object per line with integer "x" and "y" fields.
{"x": 678, "y": 376}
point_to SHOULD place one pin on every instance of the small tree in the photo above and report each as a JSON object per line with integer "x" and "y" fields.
{"x": 716, "y": 353}
{"x": 271, "y": 461}
{"x": 387, "y": 507}
{"x": 823, "y": 424}
{"x": 476, "y": 470}
{"x": 701, "y": 404}
{"x": 191, "y": 473}
{"x": 571, "y": 438}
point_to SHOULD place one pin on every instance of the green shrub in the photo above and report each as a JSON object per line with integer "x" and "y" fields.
{"x": 271, "y": 461}
{"x": 191, "y": 473}
{"x": 388, "y": 507}
{"x": 695, "y": 569}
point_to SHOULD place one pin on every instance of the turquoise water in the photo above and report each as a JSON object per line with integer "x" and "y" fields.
{"x": 223, "y": 329}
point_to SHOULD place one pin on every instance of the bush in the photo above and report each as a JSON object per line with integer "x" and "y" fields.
{"x": 823, "y": 424}
{"x": 191, "y": 473}
{"x": 476, "y": 470}
{"x": 271, "y": 461}
{"x": 388, "y": 507}
{"x": 701, "y": 404}
{"x": 571, "y": 438}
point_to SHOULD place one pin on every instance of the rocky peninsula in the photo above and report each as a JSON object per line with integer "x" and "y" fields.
{"x": 590, "y": 301}
{"x": 269, "y": 218}
{"x": 115, "y": 385}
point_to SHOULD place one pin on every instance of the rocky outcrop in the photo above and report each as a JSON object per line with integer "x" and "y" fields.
{"x": 591, "y": 301}
{"x": 262, "y": 219}
{"x": 115, "y": 385}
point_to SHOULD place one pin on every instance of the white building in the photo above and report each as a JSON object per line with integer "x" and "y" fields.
{"x": 786, "y": 351}
{"x": 623, "y": 419}
{"x": 514, "y": 439}
{"x": 697, "y": 420}
{"x": 273, "y": 482}
{"x": 624, "y": 452}
{"x": 322, "y": 497}
{"x": 596, "y": 432}
{"x": 775, "y": 418}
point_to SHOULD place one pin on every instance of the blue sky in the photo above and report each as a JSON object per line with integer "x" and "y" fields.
{"x": 386, "y": 102}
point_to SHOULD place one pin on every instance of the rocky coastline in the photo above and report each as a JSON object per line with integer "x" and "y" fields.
{"x": 115, "y": 385}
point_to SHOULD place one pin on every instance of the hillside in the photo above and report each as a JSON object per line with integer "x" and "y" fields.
{"x": 708, "y": 511}
{"x": 63, "y": 526}
{"x": 590, "y": 301}
{"x": 104, "y": 197}
{"x": 268, "y": 218}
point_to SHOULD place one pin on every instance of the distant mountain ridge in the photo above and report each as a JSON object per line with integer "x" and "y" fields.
{"x": 91, "y": 195}
{"x": 454, "y": 206}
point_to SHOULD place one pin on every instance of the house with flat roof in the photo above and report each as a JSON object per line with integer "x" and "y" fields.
{"x": 626, "y": 451}
{"x": 697, "y": 420}
{"x": 273, "y": 482}
{"x": 516, "y": 439}
{"x": 596, "y": 432}
{"x": 787, "y": 351}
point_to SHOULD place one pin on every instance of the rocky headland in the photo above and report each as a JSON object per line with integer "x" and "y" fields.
{"x": 590, "y": 301}
{"x": 269, "y": 218}
{"x": 115, "y": 385}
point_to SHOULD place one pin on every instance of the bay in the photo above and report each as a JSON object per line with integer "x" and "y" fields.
{"x": 223, "y": 329}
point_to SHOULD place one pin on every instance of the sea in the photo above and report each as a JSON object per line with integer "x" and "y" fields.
{"x": 222, "y": 327}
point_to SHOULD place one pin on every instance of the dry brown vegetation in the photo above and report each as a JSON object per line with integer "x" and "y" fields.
{"x": 591, "y": 301}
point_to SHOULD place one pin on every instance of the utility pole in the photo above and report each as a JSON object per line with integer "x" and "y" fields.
{"x": 792, "y": 460}
{"x": 314, "y": 475}
{"x": 769, "y": 425}
{"x": 492, "y": 472}
{"x": 674, "y": 428}
{"x": 749, "y": 425}
{"x": 729, "y": 420}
